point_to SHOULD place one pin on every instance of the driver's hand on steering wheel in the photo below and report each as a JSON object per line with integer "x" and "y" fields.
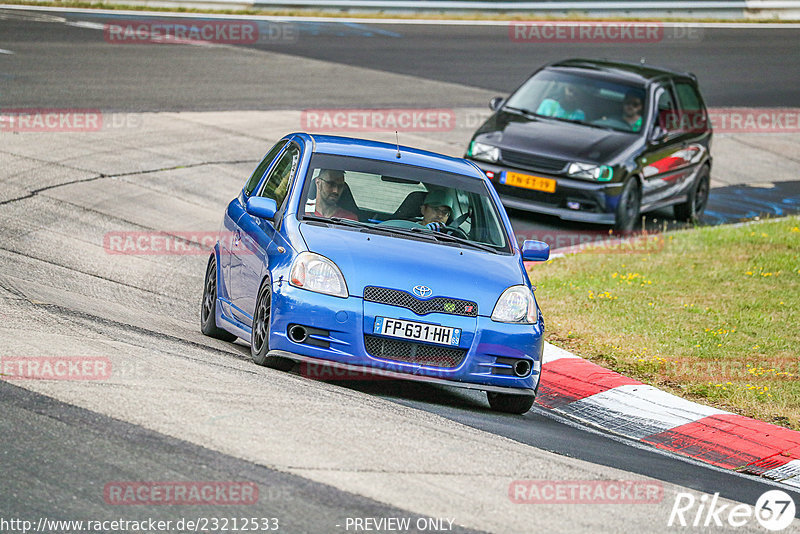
{"x": 435, "y": 226}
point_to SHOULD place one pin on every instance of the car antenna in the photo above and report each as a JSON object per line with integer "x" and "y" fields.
{"x": 397, "y": 137}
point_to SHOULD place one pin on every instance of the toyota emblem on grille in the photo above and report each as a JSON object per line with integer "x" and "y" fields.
{"x": 422, "y": 291}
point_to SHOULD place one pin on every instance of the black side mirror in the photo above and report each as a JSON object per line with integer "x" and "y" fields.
{"x": 496, "y": 102}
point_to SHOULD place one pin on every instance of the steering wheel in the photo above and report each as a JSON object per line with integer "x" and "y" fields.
{"x": 456, "y": 231}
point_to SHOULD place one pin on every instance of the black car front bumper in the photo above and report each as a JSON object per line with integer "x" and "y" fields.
{"x": 573, "y": 200}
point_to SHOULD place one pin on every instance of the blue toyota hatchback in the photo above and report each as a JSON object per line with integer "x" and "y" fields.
{"x": 378, "y": 258}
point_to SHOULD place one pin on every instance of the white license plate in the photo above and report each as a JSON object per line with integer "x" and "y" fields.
{"x": 431, "y": 333}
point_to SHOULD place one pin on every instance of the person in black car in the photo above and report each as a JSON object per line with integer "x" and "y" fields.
{"x": 566, "y": 107}
{"x": 632, "y": 107}
{"x": 606, "y": 153}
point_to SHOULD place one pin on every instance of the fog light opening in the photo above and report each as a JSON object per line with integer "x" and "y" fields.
{"x": 298, "y": 333}
{"x": 522, "y": 368}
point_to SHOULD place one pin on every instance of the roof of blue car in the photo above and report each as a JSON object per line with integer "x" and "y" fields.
{"x": 363, "y": 148}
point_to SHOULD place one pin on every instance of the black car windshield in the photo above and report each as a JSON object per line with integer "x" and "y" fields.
{"x": 402, "y": 200}
{"x": 585, "y": 100}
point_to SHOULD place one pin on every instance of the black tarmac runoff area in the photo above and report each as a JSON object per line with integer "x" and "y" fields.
{"x": 83, "y": 67}
{"x": 54, "y": 466}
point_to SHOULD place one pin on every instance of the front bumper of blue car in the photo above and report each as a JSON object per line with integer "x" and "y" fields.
{"x": 316, "y": 328}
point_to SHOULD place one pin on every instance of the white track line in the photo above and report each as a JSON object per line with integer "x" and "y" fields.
{"x": 357, "y": 20}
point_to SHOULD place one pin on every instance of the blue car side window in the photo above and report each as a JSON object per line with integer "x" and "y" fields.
{"x": 277, "y": 183}
{"x": 252, "y": 182}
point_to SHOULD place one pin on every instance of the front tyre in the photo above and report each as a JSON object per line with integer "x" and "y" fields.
{"x": 630, "y": 202}
{"x": 259, "y": 337}
{"x": 510, "y": 403}
{"x": 693, "y": 208}
{"x": 208, "y": 307}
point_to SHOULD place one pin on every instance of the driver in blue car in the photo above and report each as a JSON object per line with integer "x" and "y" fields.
{"x": 330, "y": 186}
{"x": 436, "y": 210}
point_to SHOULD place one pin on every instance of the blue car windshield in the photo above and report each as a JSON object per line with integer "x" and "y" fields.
{"x": 585, "y": 100}
{"x": 403, "y": 200}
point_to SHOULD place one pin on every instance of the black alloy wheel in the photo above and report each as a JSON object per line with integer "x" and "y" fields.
{"x": 695, "y": 205}
{"x": 208, "y": 307}
{"x": 259, "y": 339}
{"x": 630, "y": 202}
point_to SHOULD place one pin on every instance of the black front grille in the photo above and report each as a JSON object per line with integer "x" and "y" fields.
{"x": 532, "y": 161}
{"x": 395, "y": 297}
{"x": 412, "y": 352}
{"x": 502, "y": 369}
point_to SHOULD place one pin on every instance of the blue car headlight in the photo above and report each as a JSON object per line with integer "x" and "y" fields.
{"x": 516, "y": 305}
{"x": 317, "y": 273}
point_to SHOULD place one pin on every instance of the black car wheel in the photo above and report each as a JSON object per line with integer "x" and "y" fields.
{"x": 630, "y": 202}
{"x": 510, "y": 403}
{"x": 208, "y": 307}
{"x": 259, "y": 338}
{"x": 693, "y": 208}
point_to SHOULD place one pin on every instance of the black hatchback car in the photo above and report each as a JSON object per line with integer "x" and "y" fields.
{"x": 600, "y": 142}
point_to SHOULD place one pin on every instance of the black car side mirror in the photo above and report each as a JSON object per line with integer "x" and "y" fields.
{"x": 496, "y": 102}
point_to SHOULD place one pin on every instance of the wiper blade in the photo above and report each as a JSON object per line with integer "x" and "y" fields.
{"x": 562, "y": 119}
{"x": 602, "y": 127}
{"x": 411, "y": 232}
{"x": 337, "y": 220}
{"x": 523, "y": 111}
{"x": 368, "y": 227}
{"x": 441, "y": 236}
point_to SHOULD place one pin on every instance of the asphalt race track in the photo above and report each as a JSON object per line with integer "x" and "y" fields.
{"x": 184, "y": 127}
{"x": 754, "y": 66}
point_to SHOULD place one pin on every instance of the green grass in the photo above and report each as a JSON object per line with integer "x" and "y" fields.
{"x": 711, "y": 314}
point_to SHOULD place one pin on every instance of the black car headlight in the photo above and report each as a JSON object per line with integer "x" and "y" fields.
{"x": 601, "y": 173}
{"x": 483, "y": 152}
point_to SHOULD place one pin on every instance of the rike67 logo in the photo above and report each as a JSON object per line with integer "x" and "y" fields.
{"x": 774, "y": 510}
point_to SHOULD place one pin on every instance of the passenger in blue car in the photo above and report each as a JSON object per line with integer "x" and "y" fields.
{"x": 436, "y": 209}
